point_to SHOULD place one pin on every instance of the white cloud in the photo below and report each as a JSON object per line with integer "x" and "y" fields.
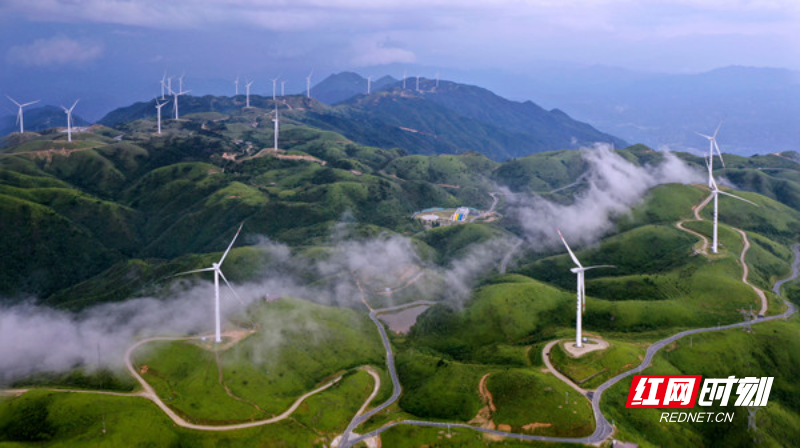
{"x": 375, "y": 52}
{"x": 57, "y": 50}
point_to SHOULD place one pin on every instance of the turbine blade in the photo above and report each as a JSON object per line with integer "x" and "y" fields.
{"x": 28, "y": 104}
{"x": 231, "y": 287}
{"x": 74, "y": 104}
{"x": 737, "y": 197}
{"x": 231, "y": 245}
{"x": 599, "y": 266}
{"x": 718, "y": 126}
{"x": 572, "y": 255}
{"x": 193, "y": 272}
{"x": 704, "y": 135}
{"x": 13, "y": 101}
{"x": 583, "y": 292}
{"x": 719, "y": 153}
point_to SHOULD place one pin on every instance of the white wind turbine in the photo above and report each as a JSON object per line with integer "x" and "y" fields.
{"x": 69, "y": 119}
{"x": 275, "y": 120}
{"x": 405, "y": 74}
{"x": 247, "y": 93}
{"x": 158, "y": 108}
{"x": 175, "y": 96}
{"x": 283, "y": 85}
{"x": 715, "y": 191}
{"x": 437, "y": 79}
{"x": 712, "y": 144}
{"x": 369, "y": 84}
{"x": 180, "y": 82}
{"x": 169, "y": 85}
{"x": 217, "y": 274}
{"x": 579, "y": 270}
{"x": 236, "y": 83}
{"x": 19, "y": 112}
{"x": 308, "y": 84}
{"x": 417, "y": 83}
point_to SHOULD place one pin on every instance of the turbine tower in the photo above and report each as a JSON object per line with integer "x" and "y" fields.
{"x": 163, "y": 86}
{"x": 405, "y": 73}
{"x": 158, "y": 108}
{"x": 19, "y": 112}
{"x": 175, "y": 96}
{"x": 217, "y": 274}
{"x": 69, "y": 119}
{"x": 275, "y": 120}
{"x": 236, "y": 83}
{"x": 712, "y": 144}
{"x": 247, "y": 90}
{"x": 369, "y": 84}
{"x": 308, "y": 84}
{"x": 180, "y": 82}
{"x": 417, "y": 83}
{"x": 283, "y": 85}
{"x": 437, "y": 79}
{"x": 715, "y": 191}
{"x": 579, "y": 270}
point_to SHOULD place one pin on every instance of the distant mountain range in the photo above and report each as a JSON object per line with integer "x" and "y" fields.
{"x": 450, "y": 118}
{"x": 39, "y": 119}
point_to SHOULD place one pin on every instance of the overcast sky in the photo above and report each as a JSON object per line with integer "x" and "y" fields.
{"x": 80, "y": 39}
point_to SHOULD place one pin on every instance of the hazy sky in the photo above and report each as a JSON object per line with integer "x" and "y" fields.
{"x": 80, "y": 40}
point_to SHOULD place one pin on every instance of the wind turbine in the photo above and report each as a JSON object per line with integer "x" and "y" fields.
{"x": 158, "y": 108}
{"x": 283, "y": 84}
{"x": 715, "y": 191}
{"x": 579, "y": 270}
{"x": 19, "y": 112}
{"x": 217, "y": 274}
{"x": 69, "y": 119}
{"x": 175, "y": 96}
{"x": 169, "y": 84}
{"x": 712, "y": 144}
{"x": 247, "y": 90}
{"x": 275, "y": 120}
{"x": 308, "y": 83}
{"x": 417, "y": 83}
{"x": 180, "y": 82}
{"x": 437, "y": 79}
{"x": 405, "y": 73}
{"x": 369, "y": 84}
{"x": 236, "y": 83}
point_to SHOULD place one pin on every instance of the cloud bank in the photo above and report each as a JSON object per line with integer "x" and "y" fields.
{"x": 55, "y": 51}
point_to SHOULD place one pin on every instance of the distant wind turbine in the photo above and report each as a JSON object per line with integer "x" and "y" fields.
{"x": 19, "y": 112}
{"x": 712, "y": 144}
{"x": 417, "y": 83}
{"x": 69, "y": 119}
{"x": 579, "y": 270}
{"x": 405, "y": 73}
{"x": 169, "y": 84}
{"x": 437, "y": 79}
{"x": 236, "y": 83}
{"x": 158, "y": 109}
{"x": 217, "y": 274}
{"x": 175, "y": 96}
{"x": 715, "y": 191}
{"x": 180, "y": 82}
{"x": 369, "y": 85}
{"x": 308, "y": 84}
{"x": 275, "y": 120}
{"x": 283, "y": 84}
{"x": 247, "y": 90}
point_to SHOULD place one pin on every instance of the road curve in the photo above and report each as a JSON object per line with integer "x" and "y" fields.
{"x": 746, "y": 273}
